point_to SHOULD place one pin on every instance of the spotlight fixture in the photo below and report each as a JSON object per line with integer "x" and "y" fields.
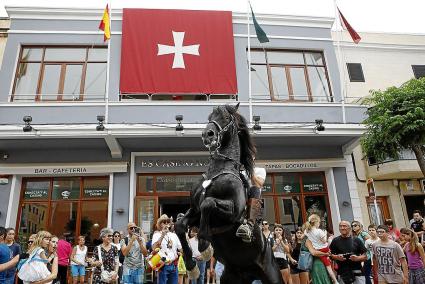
{"x": 27, "y": 119}
{"x": 100, "y": 126}
{"x": 179, "y": 126}
{"x": 257, "y": 126}
{"x": 319, "y": 125}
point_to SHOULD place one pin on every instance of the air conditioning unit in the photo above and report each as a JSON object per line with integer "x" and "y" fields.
{"x": 422, "y": 182}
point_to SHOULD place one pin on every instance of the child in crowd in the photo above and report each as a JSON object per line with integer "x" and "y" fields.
{"x": 415, "y": 256}
{"x": 368, "y": 244}
{"x": 318, "y": 238}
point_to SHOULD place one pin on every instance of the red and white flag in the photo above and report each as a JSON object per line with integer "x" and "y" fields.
{"x": 354, "y": 35}
{"x": 177, "y": 52}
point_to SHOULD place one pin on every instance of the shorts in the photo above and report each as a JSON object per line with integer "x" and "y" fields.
{"x": 325, "y": 259}
{"x": 296, "y": 270}
{"x": 282, "y": 263}
{"x": 78, "y": 270}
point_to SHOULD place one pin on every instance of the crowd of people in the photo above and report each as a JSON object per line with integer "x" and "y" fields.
{"x": 381, "y": 254}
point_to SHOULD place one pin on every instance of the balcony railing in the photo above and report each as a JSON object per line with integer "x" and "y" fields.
{"x": 405, "y": 154}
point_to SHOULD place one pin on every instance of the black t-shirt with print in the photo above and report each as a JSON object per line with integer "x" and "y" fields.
{"x": 347, "y": 246}
{"x": 417, "y": 226}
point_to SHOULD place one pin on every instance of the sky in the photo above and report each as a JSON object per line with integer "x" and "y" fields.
{"x": 392, "y": 16}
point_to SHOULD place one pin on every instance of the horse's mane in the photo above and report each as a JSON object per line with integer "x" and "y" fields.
{"x": 247, "y": 146}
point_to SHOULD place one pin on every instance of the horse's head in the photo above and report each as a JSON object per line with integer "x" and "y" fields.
{"x": 225, "y": 123}
{"x": 221, "y": 122}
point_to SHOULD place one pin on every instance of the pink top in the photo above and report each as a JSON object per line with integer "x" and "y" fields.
{"x": 64, "y": 252}
{"x": 414, "y": 260}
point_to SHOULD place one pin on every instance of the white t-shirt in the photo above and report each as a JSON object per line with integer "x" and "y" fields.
{"x": 317, "y": 238}
{"x": 193, "y": 243}
{"x": 169, "y": 245}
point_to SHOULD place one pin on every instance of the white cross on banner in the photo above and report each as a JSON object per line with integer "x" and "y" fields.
{"x": 178, "y": 49}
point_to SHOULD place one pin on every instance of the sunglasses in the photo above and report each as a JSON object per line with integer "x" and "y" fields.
{"x": 30, "y": 242}
{"x": 132, "y": 228}
{"x": 116, "y": 236}
{"x": 110, "y": 236}
{"x": 265, "y": 223}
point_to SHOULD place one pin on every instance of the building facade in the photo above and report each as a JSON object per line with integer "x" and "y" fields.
{"x": 380, "y": 61}
{"x": 67, "y": 172}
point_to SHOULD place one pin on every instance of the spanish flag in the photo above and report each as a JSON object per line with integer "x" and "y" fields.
{"x": 354, "y": 35}
{"x": 105, "y": 24}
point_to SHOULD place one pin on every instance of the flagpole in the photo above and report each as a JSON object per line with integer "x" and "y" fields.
{"x": 341, "y": 65}
{"x": 249, "y": 64}
{"x": 108, "y": 66}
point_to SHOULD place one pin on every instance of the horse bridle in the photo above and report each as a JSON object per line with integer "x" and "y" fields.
{"x": 221, "y": 131}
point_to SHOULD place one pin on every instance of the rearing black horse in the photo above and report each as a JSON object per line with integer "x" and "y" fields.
{"x": 218, "y": 203}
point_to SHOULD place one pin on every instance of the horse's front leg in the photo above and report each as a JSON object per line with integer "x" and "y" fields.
{"x": 180, "y": 228}
{"x": 223, "y": 209}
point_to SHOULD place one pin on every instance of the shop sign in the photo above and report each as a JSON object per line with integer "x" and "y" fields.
{"x": 301, "y": 165}
{"x": 74, "y": 169}
{"x": 174, "y": 163}
{"x": 60, "y": 171}
{"x": 95, "y": 192}
{"x": 36, "y": 193}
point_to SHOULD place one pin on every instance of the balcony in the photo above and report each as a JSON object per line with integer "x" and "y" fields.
{"x": 406, "y": 167}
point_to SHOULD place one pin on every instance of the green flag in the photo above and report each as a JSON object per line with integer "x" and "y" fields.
{"x": 261, "y": 35}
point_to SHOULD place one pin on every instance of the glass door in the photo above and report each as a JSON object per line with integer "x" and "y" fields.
{"x": 146, "y": 213}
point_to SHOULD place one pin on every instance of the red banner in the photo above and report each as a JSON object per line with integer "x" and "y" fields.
{"x": 177, "y": 52}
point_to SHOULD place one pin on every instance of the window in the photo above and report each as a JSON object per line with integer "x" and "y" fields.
{"x": 75, "y": 205}
{"x": 289, "y": 76}
{"x": 355, "y": 72}
{"x": 61, "y": 73}
{"x": 418, "y": 71}
{"x": 295, "y": 197}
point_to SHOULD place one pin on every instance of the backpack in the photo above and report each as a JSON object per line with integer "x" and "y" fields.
{"x": 120, "y": 254}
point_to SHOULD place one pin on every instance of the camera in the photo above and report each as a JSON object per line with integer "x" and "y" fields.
{"x": 136, "y": 230}
{"x": 347, "y": 255}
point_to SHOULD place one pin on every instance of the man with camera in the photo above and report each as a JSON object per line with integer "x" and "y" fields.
{"x": 133, "y": 248}
{"x": 349, "y": 252}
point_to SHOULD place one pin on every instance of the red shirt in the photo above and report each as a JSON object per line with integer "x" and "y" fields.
{"x": 64, "y": 252}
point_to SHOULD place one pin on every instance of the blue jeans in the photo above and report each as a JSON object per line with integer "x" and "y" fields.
{"x": 201, "y": 265}
{"x": 10, "y": 280}
{"x": 367, "y": 268}
{"x": 168, "y": 274}
{"x": 132, "y": 275}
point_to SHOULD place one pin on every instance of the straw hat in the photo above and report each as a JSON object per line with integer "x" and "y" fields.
{"x": 162, "y": 219}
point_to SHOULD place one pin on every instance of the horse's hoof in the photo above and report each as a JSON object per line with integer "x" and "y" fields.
{"x": 208, "y": 253}
{"x": 194, "y": 273}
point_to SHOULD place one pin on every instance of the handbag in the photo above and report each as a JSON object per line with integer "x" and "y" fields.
{"x": 305, "y": 262}
{"x": 34, "y": 268}
{"x": 105, "y": 275}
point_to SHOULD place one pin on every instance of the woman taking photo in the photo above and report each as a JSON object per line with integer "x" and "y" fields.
{"x": 298, "y": 276}
{"x": 105, "y": 258}
{"x": 280, "y": 250}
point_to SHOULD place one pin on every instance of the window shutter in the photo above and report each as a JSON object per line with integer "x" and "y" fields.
{"x": 418, "y": 71}
{"x": 355, "y": 72}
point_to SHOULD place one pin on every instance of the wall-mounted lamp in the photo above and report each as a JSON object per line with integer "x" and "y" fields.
{"x": 27, "y": 119}
{"x": 4, "y": 156}
{"x": 319, "y": 125}
{"x": 119, "y": 210}
{"x": 179, "y": 126}
{"x": 257, "y": 126}
{"x": 100, "y": 126}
